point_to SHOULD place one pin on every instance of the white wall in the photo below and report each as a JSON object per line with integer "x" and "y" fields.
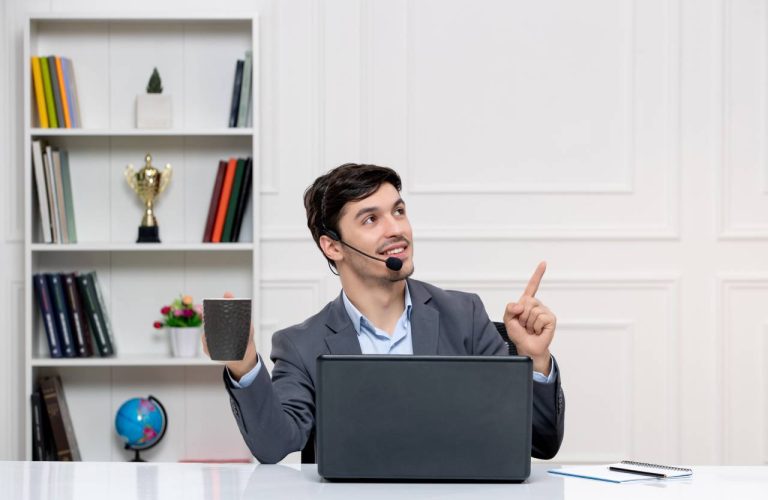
{"x": 621, "y": 141}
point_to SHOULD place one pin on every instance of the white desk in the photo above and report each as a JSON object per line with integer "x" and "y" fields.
{"x": 166, "y": 481}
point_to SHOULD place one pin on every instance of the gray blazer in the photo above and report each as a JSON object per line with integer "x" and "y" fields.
{"x": 277, "y": 416}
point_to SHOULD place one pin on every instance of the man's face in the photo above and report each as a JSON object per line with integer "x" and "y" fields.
{"x": 379, "y": 226}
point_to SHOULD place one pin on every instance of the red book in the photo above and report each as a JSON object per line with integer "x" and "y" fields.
{"x": 226, "y": 192}
{"x": 214, "y": 201}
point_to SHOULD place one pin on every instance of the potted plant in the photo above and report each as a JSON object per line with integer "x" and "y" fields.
{"x": 184, "y": 320}
{"x": 153, "y": 109}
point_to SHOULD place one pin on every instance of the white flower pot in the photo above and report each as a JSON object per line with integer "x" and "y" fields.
{"x": 185, "y": 342}
{"x": 153, "y": 111}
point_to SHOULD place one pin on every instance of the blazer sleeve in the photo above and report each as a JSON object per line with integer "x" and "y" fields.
{"x": 548, "y": 399}
{"x": 275, "y": 416}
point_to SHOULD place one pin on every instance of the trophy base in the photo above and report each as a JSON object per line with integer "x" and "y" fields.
{"x": 149, "y": 234}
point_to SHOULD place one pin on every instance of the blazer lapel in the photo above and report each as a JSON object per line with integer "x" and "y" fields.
{"x": 343, "y": 337}
{"x": 425, "y": 320}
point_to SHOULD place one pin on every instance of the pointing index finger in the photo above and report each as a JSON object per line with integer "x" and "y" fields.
{"x": 533, "y": 283}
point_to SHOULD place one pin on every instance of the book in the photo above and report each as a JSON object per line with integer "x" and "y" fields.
{"x": 37, "y": 82}
{"x": 38, "y": 439}
{"x": 43, "y": 447}
{"x": 42, "y": 193}
{"x": 236, "y": 93}
{"x": 63, "y": 90}
{"x": 229, "y": 221}
{"x": 61, "y": 421}
{"x": 46, "y": 310}
{"x": 50, "y": 183}
{"x": 50, "y": 105}
{"x": 623, "y": 472}
{"x": 103, "y": 306}
{"x": 214, "y": 204}
{"x": 245, "y": 91}
{"x": 69, "y": 82}
{"x": 69, "y": 208}
{"x": 242, "y": 201}
{"x": 56, "y": 91}
{"x": 226, "y": 192}
{"x": 61, "y": 315}
{"x": 59, "y": 187}
{"x": 96, "y": 316}
{"x": 82, "y": 334}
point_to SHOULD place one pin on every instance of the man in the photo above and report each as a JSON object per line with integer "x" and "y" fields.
{"x": 358, "y": 220}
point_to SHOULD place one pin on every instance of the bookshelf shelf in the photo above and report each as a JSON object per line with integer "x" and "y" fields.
{"x": 112, "y": 58}
{"x": 199, "y": 132}
{"x": 135, "y": 247}
{"x": 124, "y": 361}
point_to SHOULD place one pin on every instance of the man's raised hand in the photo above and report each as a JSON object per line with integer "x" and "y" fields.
{"x": 530, "y": 324}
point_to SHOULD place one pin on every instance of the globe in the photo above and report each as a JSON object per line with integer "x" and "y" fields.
{"x": 141, "y": 423}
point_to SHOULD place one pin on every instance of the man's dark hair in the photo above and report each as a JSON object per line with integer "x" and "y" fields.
{"x": 326, "y": 197}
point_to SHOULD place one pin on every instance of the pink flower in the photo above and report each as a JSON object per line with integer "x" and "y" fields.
{"x": 165, "y": 310}
{"x": 199, "y": 309}
{"x": 178, "y": 313}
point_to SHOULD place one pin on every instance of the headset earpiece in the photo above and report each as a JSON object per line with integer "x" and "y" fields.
{"x": 331, "y": 234}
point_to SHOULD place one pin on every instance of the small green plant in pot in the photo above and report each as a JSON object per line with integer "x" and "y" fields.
{"x": 153, "y": 109}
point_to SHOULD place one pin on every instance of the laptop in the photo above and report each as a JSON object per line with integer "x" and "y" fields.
{"x": 424, "y": 418}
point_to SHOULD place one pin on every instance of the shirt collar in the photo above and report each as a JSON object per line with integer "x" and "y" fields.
{"x": 357, "y": 317}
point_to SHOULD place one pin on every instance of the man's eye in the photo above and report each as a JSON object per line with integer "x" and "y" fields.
{"x": 400, "y": 210}
{"x": 369, "y": 219}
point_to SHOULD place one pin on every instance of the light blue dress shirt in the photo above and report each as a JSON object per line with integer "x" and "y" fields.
{"x": 375, "y": 341}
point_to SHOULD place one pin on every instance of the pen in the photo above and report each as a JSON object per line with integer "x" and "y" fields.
{"x": 643, "y": 473}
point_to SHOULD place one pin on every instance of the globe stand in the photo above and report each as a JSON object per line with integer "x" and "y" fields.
{"x": 136, "y": 457}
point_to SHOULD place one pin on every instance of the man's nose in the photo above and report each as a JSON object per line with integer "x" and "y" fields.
{"x": 395, "y": 227}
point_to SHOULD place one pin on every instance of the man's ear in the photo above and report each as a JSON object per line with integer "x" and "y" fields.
{"x": 331, "y": 248}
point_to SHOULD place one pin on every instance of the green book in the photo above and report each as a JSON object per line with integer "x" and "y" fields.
{"x": 50, "y": 104}
{"x": 68, "y": 201}
{"x": 96, "y": 313}
{"x": 56, "y": 91}
{"x": 229, "y": 223}
{"x": 245, "y": 91}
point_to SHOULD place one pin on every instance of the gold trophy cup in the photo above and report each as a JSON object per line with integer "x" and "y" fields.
{"x": 148, "y": 183}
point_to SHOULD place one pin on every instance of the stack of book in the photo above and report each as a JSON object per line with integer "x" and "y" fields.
{"x": 53, "y": 79}
{"x": 74, "y": 314}
{"x": 53, "y": 436}
{"x": 54, "y": 193}
{"x": 240, "y": 111}
{"x": 229, "y": 199}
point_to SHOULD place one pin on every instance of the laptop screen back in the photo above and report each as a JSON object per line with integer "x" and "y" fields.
{"x": 424, "y": 417}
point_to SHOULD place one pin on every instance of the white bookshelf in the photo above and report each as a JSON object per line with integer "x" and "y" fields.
{"x": 113, "y": 58}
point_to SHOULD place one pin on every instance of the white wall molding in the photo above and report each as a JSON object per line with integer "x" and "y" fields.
{"x": 736, "y": 371}
{"x": 733, "y": 128}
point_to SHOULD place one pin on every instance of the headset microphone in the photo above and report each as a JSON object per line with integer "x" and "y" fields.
{"x": 392, "y": 263}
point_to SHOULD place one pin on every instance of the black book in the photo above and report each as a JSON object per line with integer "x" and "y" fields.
{"x": 61, "y": 314}
{"x": 38, "y": 438}
{"x": 242, "y": 200}
{"x": 48, "y": 315}
{"x": 236, "y": 93}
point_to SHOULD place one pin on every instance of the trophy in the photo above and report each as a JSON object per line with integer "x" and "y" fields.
{"x": 148, "y": 183}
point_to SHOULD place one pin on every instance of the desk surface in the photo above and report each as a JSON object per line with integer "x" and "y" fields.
{"x": 115, "y": 480}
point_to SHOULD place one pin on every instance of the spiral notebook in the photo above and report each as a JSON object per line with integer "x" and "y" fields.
{"x": 624, "y": 472}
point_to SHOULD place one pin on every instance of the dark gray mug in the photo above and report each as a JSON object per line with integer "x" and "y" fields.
{"x": 227, "y": 326}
